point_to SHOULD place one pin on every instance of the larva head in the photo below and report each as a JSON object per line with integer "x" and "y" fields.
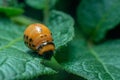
{"x": 46, "y": 49}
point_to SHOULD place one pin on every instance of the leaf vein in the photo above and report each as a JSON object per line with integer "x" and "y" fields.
{"x": 97, "y": 58}
{"x": 11, "y": 43}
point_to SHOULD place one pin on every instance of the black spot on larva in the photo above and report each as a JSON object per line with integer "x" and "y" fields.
{"x": 33, "y": 45}
{"x": 26, "y": 37}
{"x": 52, "y": 39}
{"x": 51, "y": 33}
{"x": 41, "y": 36}
{"x": 47, "y": 40}
{"x": 30, "y": 39}
{"x": 45, "y": 35}
{"x": 30, "y": 45}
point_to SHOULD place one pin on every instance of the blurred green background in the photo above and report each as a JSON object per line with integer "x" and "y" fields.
{"x": 86, "y": 35}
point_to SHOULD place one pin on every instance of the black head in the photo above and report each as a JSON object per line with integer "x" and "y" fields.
{"x": 47, "y": 55}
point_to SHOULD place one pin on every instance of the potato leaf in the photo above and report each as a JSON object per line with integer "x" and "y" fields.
{"x": 99, "y": 62}
{"x": 11, "y": 11}
{"x": 96, "y": 17}
{"x": 19, "y": 62}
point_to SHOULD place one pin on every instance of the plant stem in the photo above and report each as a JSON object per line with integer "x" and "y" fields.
{"x": 46, "y": 12}
{"x": 52, "y": 64}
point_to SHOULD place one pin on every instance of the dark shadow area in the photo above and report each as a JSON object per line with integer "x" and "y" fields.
{"x": 33, "y": 13}
{"x": 114, "y": 33}
{"x": 60, "y": 76}
{"x": 46, "y": 56}
{"x": 68, "y": 6}
{"x": 34, "y": 54}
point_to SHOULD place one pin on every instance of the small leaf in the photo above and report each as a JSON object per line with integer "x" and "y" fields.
{"x": 99, "y": 62}
{"x": 23, "y": 20}
{"x": 41, "y": 4}
{"x": 96, "y": 17}
{"x": 11, "y": 11}
{"x": 61, "y": 26}
{"x": 20, "y": 62}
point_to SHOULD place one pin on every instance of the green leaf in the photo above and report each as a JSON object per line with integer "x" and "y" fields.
{"x": 16, "y": 60}
{"x": 23, "y": 20}
{"x": 20, "y": 62}
{"x": 96, "y": 17}
{"x": 61, "y": 26}
{"x": 11, "y": 11}
{"x": 41, "y": 4}
{"x": 99, "y": 62}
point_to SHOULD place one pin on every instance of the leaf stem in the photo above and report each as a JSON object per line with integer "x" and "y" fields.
{"x": 52, "y": 64}
{"x": 46, "y": 11}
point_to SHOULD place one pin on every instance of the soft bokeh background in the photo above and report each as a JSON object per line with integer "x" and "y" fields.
{"x": 86, "y": 35}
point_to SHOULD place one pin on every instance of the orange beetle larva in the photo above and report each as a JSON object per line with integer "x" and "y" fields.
{"x": 39, "y": 38}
